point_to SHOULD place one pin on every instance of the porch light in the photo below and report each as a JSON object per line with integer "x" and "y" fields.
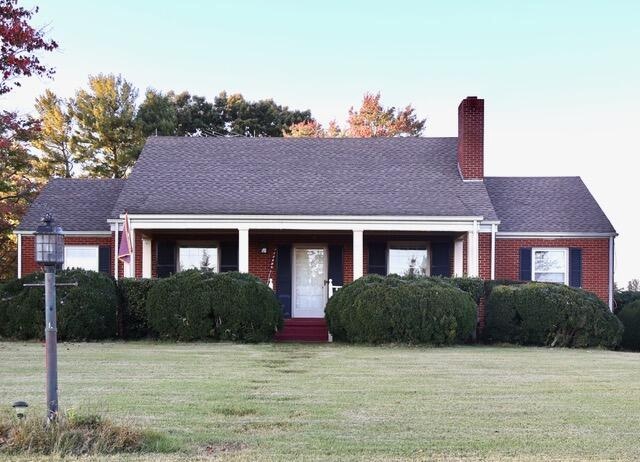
{"x": 49, "y": 243}
{"x": 263, "y": 248}
{"x": 20, "y": 408}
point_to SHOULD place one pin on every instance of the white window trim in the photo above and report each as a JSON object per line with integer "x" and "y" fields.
{"x": 197, "y": 244}
{"x": 550, "y": 249}
{"x": 409, "y": 245}
{"x": 84, "y": 247}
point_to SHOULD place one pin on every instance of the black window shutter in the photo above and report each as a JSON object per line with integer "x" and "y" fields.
{"x": 575, "y": 267}
{"x": 377, "y": 258}
{"x": 525, "y": 264}
{"x": 166, "y": 258}
{"x": 104, "y": 259}
{"x": 283, "y": 281}
{"x": 336, "y": 268}
{"x": 228, "y": 257}
{"x": 441, "y": 259}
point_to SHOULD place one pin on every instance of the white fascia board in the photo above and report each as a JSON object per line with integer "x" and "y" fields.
{"x": 312, "y": 223}
{"x": 72, "y": 233}
{"x": 329, "y": 218}
{"x": 529, "y": 235}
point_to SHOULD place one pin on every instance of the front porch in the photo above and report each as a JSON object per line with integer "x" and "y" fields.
{"x": 304, "y": 267}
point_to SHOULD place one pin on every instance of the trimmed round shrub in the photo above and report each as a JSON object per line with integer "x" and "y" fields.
{"x": 178, "y": 307}
{"x": 193, "y": 305}
{"x": 85, "y": 312}
{"x": 132, "y": 306}
{"x": 473, "y": 286}
{"x": 550, "y": 314}
{"x": 377, "y": 309}
{"x": 630, "y": 317}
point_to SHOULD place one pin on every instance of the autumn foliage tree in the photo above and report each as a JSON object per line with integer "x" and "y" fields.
{"x": 20, "y": 46}
{"x": 369, "y": 121}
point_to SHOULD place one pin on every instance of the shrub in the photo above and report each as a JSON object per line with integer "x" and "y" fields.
{"x": 624, "y": 297}
{"x": 550, "y": 314}
{"x": 72, "y": 434}
{"x": 630, "y": 317}
{"x": 473, "y": 286}
{"x": 132, "y": 301}
{"x": 193, "y": 305}
{"x": 85, "y": 312}
{"x": 376, "y": 309}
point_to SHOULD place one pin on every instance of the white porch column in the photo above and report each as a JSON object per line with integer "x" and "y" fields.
{"x": 458, "y": 258}
{"x": 472, "y": 252}
{"x": 243, "y": 250}
{"x": 146, "y": 257}
{"x": 358, "y": 254}
{"x": 116, "y": 262}
{"x": 19, "y": 255}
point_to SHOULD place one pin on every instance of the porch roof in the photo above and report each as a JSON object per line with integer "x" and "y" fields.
{"x": 287, "y": 176}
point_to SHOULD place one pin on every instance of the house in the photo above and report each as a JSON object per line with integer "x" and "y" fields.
{"x": 310, "y": 215}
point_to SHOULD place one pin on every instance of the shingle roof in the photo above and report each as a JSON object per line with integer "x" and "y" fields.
{"x": 289, "y": 176}
{"x": 77, "y": 204}
{"x": 546, "y": 204}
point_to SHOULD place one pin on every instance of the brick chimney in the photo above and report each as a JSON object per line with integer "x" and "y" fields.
{"x": 471, "y": 138}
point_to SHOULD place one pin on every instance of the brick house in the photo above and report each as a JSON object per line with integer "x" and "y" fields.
{"x": 310, "y": 215}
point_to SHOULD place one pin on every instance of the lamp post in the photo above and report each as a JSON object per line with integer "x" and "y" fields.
{"x": 49, "y": 253}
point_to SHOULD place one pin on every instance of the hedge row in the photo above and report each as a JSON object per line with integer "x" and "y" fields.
{"x": 187, "y": 306}
{"x": 86, "y": 311}
{"x": 376, "y": 309}
{"x": 550, "y": 314}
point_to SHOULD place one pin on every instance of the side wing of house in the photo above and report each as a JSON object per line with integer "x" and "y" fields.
{"x": 81, "y": 207}
{"x": 552, "y": 229}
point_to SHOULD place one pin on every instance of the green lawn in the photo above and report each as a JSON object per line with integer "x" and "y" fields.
{"x": 337, "y": 402}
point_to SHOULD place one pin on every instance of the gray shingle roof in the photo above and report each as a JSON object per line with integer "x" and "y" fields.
{"x": 77, "y": 204}
{"x": 546, "y": 204}
{"x": 289, "y": 176}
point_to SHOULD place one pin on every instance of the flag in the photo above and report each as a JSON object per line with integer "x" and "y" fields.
{"x": 124, "y": 252}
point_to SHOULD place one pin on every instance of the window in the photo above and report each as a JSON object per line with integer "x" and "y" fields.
{"x": 550, "y": 265}
{"x": 198, "y": 256}
{"x": 81, "y": 256}
{"x": 408, "y": 260}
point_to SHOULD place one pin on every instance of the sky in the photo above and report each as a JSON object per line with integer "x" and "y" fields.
{"x": 560, "y": 79}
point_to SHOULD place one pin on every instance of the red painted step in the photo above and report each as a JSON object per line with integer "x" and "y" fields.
{"x": 303, "y": 330}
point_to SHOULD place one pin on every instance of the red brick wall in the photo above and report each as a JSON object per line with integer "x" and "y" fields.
{"x": 28, "y": 251}
{"x": 595, "y": 260}
{"x": 484, "y": 241}
{"x": 471, "y": 138}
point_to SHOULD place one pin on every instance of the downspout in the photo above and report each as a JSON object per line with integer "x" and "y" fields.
{"x": 611, "y": 269}
{"x": 493, "y": 252}
{"x": 19, "y": 256}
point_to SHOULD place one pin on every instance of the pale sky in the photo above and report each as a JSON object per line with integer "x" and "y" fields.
{"x": 561, "y": 80}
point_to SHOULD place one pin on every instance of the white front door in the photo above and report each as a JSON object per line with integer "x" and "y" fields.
{"x": 309, "y": 290}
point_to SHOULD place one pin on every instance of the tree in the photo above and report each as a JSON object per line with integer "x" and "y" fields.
{"x": 20, "y": 45}
{"x": 157, "y": 114}
{"x": 54, "y": 138}
{"x": 107, "y": 138}
{"x": 373, "y": 120}
{"x": 634, "y": 285}
{"x": 259, "y": 118}
{"x": 196, "y": 116}
{"x": 306, "y": 129}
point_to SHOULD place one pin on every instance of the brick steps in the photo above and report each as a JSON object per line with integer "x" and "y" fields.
{"x": 303, "y": 330}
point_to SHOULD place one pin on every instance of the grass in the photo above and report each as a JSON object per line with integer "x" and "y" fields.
{"x": 335, "y": 402}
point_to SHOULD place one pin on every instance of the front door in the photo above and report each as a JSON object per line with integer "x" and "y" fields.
{"x": 309, "y": 276}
